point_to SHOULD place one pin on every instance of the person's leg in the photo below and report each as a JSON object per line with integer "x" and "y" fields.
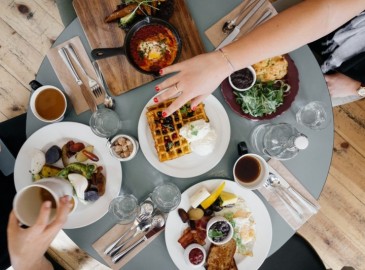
{"x": 66, "y": 10}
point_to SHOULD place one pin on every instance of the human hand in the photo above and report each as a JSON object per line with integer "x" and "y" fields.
{"x": 340, "y": 85}
{"x": 196, "y": 79}
{"x": 27, "y": 246}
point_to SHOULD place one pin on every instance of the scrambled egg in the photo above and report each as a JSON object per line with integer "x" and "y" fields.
{"x": 271, "y": 69}
{"x": 152, "y": 50}
{"x": 243, "y": 223}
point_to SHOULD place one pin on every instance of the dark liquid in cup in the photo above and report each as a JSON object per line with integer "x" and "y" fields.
{"x": 247, "y": 169}
{"x": 50, "y": 104}
{"x": 46, "y": 196}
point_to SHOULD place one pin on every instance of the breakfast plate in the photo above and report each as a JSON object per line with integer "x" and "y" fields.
{"x": 175, "y": 227}
{"x": 59, "y": 134}
{"x": 292, "y": 78}
{"x": 192, "y": 164}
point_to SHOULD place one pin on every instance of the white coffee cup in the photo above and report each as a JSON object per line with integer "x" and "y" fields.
{"x": 28, "y": 201}
{"x": 250, "y": 171}
{"x": 48, "y": 104}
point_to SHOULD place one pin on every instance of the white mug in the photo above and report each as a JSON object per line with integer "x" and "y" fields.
{"x": 48, "y": 104}
{"x": 28, "y": 201}
{"x": 250, "y": 171}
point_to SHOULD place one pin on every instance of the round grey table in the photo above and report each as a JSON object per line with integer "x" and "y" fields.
{"x": 310, "y": 166}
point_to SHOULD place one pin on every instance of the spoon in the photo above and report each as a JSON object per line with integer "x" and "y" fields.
{"x": 143, "y": 226}
{"x": 109, "y": 102}
{"x": 270, "y": 184}
{"x": 228, "y": 26}
{"x": 158, "y": 221}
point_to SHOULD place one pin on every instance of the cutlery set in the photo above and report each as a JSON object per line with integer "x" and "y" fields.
{"x": 290, "y": 197}
{"x": 92, "y": 89}
{"x": 149, "y": 221}
{"x": 233, "y": 29}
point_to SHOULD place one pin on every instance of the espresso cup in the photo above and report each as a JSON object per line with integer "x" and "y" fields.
{"x": 48, "y": 104}
{"x": 28, "y": 201}
{"x": 250, "y": 171}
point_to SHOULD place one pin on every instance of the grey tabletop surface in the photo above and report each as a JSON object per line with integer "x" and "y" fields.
{"x": 310, "y": 166}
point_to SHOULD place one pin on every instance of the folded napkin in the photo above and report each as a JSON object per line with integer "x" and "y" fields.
{"x": 7, "y": 160}
{"x": 285, "y": 176}
{"x": 67, "y": 80}
{"x": 215, "y": 33}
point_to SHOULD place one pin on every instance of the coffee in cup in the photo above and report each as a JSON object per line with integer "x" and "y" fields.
{"x": 250, "y": 171}
{"x": 48, "y": 104}
{"x": 28, "y": 201}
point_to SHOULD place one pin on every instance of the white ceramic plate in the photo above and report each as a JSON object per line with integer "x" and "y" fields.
{"x": 175, "y": 227}
{"x": 59, "y": 134}
{"x": 189, "y": 165}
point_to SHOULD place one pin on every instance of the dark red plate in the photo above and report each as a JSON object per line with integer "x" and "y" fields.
{"x": 292, "y": 78}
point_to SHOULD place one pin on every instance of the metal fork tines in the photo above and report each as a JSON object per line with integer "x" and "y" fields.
{"x": 94, "y": 86}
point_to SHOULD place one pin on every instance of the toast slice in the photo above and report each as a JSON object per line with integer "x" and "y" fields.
{"x": 220, "y": 257}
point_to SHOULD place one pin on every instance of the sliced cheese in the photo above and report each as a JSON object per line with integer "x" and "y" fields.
{"x": 228, "y": 198}
{"x": 198, "y": 197}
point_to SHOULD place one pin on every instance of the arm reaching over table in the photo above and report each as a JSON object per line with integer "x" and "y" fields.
{"x": 28, "y": 246}
{"x": 199, "y": 76}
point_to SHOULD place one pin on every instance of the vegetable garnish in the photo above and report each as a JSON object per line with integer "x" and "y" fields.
{"x": 263, "y": 98}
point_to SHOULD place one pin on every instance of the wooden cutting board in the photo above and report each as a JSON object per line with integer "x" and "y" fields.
{"x": 120, "y": 76}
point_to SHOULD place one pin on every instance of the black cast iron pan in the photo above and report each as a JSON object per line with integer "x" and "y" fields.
{"x": 100, "y": 53}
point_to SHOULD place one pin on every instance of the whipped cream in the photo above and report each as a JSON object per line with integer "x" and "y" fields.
{"x": 201, "y": 136}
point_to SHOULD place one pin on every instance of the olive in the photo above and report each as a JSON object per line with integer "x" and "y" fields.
{"x": 216, "y": 208}
{"x": 53, "y": 154}
{"x": 195, "y": 213}
{"x": 192, "y": 224}
{"x": 183, "y": 215}
{"x": 208, "y": 212}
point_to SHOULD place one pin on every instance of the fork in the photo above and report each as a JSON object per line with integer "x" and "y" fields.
{"x": 94, "y": 86}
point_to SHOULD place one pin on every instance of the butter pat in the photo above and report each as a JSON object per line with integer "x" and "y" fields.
{"x": 228, "y": 198}
{"x": 198, "y": 197}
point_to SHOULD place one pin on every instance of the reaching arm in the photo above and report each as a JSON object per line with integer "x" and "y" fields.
{"x": 292, "y": 28}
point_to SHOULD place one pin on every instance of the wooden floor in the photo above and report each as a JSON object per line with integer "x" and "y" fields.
{"x": 28, "y": 29}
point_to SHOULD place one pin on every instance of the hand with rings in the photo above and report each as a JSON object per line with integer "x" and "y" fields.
{"x": 196, "y": 78}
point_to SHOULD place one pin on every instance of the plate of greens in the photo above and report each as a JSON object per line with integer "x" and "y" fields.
{"x": 264, "y": 100}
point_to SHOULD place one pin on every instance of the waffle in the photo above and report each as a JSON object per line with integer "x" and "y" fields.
{"x": 165, "y": 131}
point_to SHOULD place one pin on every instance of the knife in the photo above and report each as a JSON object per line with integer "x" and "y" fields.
{"x": 148, "y": 235}
{"x": 236, "y": 30}
{"x": 84, "y": 90}
{"x": 7, "y": 160}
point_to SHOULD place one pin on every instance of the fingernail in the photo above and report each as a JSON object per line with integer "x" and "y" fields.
{"x": 47, "y": 204}
{"x": 157, "y": 88}
{"x": 161, "y": 72}
{"x": 194, "y": 108}
{"x": 164, "y": 114}
{"x": 155, "y": 100}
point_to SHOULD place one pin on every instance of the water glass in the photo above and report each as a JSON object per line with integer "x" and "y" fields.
{"x": 166, "y": 197}
{"x": 313, "y": 115}
{"x": 105, "y": 122}
{"x": 124, "y": 208}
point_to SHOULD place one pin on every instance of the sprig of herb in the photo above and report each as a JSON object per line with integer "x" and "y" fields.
{"x": 263, "y": 98}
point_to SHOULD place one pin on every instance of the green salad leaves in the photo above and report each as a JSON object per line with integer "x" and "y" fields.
{"x": 263, "y": 98}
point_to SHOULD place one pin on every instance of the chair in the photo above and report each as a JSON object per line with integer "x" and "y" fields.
{"x": 297, "y": 253}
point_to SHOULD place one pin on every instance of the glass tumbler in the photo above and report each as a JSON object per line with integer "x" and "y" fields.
{"x": 166, "y": 197}
{"x": 313, "y": 115}
{"x": 105, "y": 123}
{"x": 124, "y": 208}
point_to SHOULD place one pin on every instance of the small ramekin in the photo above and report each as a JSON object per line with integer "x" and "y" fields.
{"x": 187, "y": 252}
{"x": 214, "y": 220}
{"x": 131, "y": 139}
{"x": 253, "y": 72}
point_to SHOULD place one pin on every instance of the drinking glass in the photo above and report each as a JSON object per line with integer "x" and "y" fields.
{"x": 313, "y": 115}
{"x": 166, "y": 197}
{"x": 124, "y": 208}
{"x": 105, "y": 122}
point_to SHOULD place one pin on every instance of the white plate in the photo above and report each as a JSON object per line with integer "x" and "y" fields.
{"x": 59, "y": 134}
{"x": 175, "y": 227}
{"x": 189, "y": 165}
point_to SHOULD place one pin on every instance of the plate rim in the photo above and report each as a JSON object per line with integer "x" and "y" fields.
{"x": 114, "y": 164}
{"x": 161, "y": 166}
{"x": 215, "y": 182}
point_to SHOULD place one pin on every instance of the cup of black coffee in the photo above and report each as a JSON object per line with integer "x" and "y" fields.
{"x": 250, "y": 171}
